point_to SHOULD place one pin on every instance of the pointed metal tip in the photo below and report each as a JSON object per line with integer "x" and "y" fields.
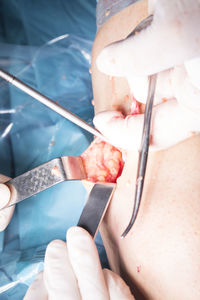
{"x": 130, "y": 225}
{"x": 126, "y": 231}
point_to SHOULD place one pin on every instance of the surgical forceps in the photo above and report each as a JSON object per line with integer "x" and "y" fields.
{"x": 144, "y": 148}
{"x": 143, "y": 152}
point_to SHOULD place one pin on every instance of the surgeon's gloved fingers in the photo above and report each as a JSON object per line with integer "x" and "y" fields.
{"x": 186, "y": 93}
{"x": 171, "y": 39}
{"x": 5, "y": 217}
{"x": 5, "y": 195}
{"x": 59, "y": 277}
{"x": 151, "y": 6}
{"x": 122, "y": 132}
{"x": 117, "y": 288}
{"x": 139, "y": 86}
{"x": 37, "y": 289}
{"x": 171, "y": 124}
{"x": 86, "y": 265}
{"x": 193, "y": 70}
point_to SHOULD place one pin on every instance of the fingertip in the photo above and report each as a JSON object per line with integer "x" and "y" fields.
{"x": 139, "y": 87}
{"x": 79, "y": 241}
{"x": 118, "y": 129}
{"x": 4, "y": 195}
{"x": 55, "y": 243}
{"x": 103, "y": 118}
{"x": 105, "y": 61}
{"x": 54, "y": 246}
{"x": 54, "y": 250}
{"x": 113, "y": 60}
{"x": 75, "y": 233}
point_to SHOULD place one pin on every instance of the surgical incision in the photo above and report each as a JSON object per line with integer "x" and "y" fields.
{"x": 103, "y": 162}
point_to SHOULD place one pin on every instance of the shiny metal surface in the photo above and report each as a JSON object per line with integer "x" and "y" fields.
{"x": 45, "y": 176}
{"x": 50, "y": 103}
{"x": 95, "y": 207}
{"x": 144, "y": 148}
{"x": 142, "y": 25}
{"x": 143, "y": 153}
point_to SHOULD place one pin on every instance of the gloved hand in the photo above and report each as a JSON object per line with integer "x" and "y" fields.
{"x": 73, "y": 271}
{"x": 5, "y": 195}
{"x": 171, "y": 43}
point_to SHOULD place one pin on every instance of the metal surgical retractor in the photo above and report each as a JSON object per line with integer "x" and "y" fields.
{"x": 57, "y": 170}
{"x": 144, "y": 148}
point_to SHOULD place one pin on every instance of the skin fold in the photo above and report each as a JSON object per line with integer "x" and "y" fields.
{"x": 159, "y": 258}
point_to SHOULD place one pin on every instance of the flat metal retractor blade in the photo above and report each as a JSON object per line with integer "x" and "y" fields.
{"x": 45, "y": 176}
{"x": 96, "y": 206}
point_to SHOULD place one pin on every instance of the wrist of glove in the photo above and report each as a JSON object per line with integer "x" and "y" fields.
{"x": 74, "y": 269}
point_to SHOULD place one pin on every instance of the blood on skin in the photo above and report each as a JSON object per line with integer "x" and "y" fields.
{"x": 135, "y": 107}
{"x": 102, "y": 162}
{"x": 138, "y": 269}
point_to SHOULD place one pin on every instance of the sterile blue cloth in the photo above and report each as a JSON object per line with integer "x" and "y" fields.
{"x": 47, "y": 44}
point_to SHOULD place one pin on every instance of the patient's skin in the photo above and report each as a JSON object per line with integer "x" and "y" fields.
{"x": 160, "y": 257}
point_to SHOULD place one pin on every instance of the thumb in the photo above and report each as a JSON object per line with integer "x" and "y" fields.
{"x": 86, "y": 264}
{"x": 171, "y": 39}
{"x": 4, "y": 195}
{"x": 122, "y": 132}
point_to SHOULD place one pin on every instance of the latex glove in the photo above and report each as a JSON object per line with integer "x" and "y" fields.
{"x": 37, "y": 290}
{"x": 170, "y": 124}
{"x": 173, "y": 38}
{"x": 73, "y": 271}
{"x": 5, "y": 195}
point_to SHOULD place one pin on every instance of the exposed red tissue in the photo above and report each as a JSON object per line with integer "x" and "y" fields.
{"x": 103, "y": 162}
{"x": 135, "y": 107}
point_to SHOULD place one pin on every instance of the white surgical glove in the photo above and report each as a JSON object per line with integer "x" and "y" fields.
{"x": 5, "y": 196}
{"x": 73, "y": 271}
{"x": 171, "y": 43}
